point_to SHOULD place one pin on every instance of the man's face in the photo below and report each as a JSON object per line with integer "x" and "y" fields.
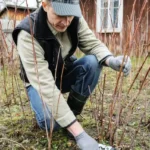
{"x": 59, "y": 23}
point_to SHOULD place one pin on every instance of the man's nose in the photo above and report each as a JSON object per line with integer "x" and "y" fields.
{"x": 66, "y": 20}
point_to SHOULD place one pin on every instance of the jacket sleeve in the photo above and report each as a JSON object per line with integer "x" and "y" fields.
{"x": 41, "y": 78}
{"x": 89, "y": 44}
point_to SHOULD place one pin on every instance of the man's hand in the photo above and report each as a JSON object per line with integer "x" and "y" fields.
{"x": 116, "y": 62}
{"x": 85, "y": 142}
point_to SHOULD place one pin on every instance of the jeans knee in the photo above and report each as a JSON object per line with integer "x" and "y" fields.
{"x": 44, "y": 124}
{"x": 48, "y": 124}
{"x": 91, "y": 62}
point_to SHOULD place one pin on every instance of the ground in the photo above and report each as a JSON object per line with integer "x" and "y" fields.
{"x": 121, "y": 119}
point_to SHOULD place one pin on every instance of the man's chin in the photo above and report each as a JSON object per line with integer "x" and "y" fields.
{"x": 61, "y": 29}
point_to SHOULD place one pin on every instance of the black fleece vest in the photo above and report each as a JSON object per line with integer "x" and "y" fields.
{"x": 36, "y": 25}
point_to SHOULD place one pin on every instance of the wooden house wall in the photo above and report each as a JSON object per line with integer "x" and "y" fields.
{"x": 132, "y": 26}
{"x": 7, "y": 18}
{"x": 89, "y": 12}
{"x": 120, "y": 41}
{"x": 12, "y": 15}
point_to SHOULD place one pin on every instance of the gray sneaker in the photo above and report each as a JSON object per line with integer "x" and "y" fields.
{"x": 104, "y": 147}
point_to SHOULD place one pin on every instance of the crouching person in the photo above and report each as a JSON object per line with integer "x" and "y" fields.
{"x": 46, "y": 41}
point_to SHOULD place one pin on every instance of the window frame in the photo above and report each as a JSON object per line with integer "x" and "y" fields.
{"x": 109, "y": 29}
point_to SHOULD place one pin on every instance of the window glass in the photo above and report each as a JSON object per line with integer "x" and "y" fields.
{"x": 104, "y": 18}
{"x": 104, "y": 3}
{"x": 114, "y": 8}
{"x": 109, "y": 15}
{"x": 104, "y": 13}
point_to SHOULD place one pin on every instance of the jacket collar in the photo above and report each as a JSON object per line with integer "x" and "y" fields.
{"x": 41, "y": 29}
{"x": 52, "y": 29}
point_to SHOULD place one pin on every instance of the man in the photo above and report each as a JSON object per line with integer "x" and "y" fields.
{"x": 46, "y": 41}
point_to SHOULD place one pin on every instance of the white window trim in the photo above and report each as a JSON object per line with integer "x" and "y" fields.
{"x": 110, "y": 29}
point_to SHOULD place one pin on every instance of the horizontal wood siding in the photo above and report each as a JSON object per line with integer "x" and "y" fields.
{"x": 11, "y": 14}
{"x": 89, "y": 12}
{"x": 121, "y": 41}
{"x": 136, "y": 24}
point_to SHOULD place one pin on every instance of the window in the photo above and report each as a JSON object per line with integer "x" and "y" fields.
{"x": 12, "y": 1}
{"x": 109, "y": 15}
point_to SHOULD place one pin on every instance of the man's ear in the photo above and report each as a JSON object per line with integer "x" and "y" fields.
{"x": 44, "y": 5}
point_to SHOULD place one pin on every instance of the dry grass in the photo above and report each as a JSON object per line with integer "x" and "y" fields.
{"x": 119, "y": 107}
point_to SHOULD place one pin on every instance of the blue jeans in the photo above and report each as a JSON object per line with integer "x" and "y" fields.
{"x": 81, "y": 75}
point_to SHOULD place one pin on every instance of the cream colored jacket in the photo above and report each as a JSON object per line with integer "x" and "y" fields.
{"x": 44, "y": 82}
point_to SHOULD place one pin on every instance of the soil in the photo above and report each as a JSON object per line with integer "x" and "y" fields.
{"x": 119, "y": 119}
